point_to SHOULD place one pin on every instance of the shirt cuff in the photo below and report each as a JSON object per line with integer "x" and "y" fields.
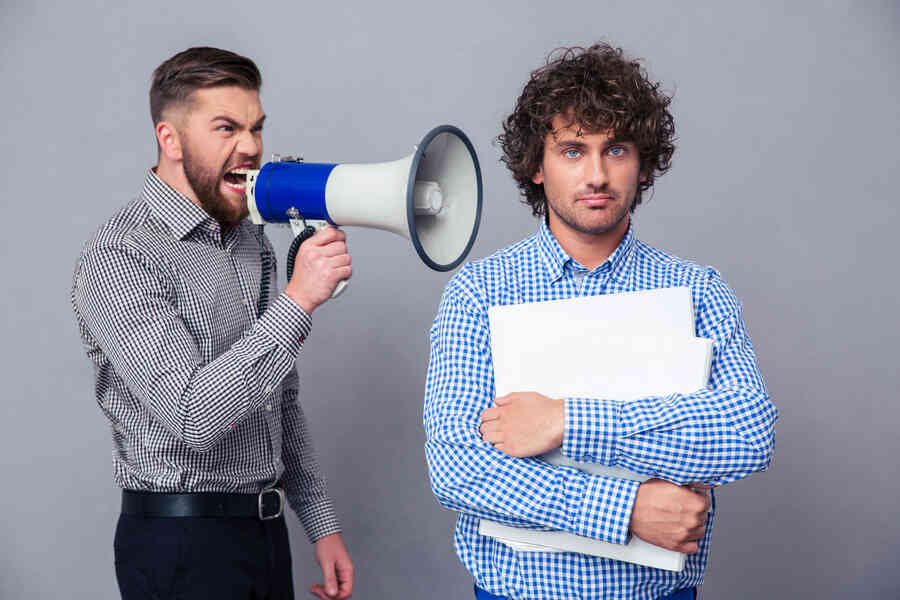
{"x": 591, "y": 430}
{"x": 605, "y": 512}
{"x": 318, "y": 518}
{"x": 286, "y": 323}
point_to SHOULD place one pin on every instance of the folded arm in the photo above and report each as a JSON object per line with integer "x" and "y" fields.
{"x": 468, "y": 475}
{"x": 716, "y": 435}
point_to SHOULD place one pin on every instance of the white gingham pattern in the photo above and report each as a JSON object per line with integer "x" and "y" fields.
{"x": 716, "y": 436}
{"x": 201, "y": 395}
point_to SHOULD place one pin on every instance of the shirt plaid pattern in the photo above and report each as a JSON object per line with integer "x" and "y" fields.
{"x": 715, "y": 436}
{"x": 201, "y": 392}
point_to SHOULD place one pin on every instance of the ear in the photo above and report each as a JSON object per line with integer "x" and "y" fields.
{"x": 538, "y": 178}
{"x": 169, "y": 140}
{"x": 643, "y": 176}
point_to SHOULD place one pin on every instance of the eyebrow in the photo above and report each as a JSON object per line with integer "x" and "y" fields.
{"x": 575, "y": 143}
{"x": 234, "y": 123}
{"x": 569, "y": 143}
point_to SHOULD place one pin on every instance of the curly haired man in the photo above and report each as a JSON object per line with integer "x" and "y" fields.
{"x": 588, "y": 136}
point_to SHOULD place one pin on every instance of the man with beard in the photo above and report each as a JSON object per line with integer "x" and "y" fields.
{"x": 587, "y": 138}
{"x": 193, "y": 352}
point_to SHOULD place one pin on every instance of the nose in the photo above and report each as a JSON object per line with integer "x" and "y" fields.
{"x": 250, "y": 144}
{"x": 596, "y": 171}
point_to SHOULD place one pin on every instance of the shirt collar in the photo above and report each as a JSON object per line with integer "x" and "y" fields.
{"x": 556, "y": 259}
{"x": 173, "y": 208}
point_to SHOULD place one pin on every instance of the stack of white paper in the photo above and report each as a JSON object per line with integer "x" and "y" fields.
{"x": 618, "y": 346}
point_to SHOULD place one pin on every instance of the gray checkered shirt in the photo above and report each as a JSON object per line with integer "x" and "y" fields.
{"x": 200, "y": 392}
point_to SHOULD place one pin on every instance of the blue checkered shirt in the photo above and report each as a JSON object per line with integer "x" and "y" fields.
{"x": 715, "y": 436}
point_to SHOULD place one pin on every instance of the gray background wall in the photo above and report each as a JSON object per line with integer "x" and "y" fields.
{"x": 788, "y": 127}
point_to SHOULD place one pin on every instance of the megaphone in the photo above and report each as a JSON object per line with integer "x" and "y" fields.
{"x": 432, "y": 197}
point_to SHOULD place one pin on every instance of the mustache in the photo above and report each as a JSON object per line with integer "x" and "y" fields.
{"x": 597, "y": 189}
{"x": 248, "y": 161}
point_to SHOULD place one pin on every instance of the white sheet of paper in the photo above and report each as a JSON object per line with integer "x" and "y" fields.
{"x": 618, "y": 346}
{"x": 636, "y": 551}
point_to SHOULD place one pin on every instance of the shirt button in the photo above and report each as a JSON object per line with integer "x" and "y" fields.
{"x": 269, "y": 407}
{"x": 268, "y": 390}
{"x": 244, "y": 301}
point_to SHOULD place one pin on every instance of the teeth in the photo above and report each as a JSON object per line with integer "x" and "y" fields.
{"x": 241, "y": 171}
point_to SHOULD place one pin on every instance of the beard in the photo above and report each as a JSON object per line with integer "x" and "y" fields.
{"x": 205, "y": 184}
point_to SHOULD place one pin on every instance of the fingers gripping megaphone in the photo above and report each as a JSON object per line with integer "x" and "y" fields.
{"x": 432, "y": 197}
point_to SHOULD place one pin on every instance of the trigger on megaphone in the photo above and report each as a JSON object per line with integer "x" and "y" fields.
{"x": 431, "y": 197}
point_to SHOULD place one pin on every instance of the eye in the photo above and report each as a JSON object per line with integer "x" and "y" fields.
{"x": 226, "y": 128}
{"x": 257, "y": 129}
{"x": 571, "y": 153}
{"x": 616, "y": 151}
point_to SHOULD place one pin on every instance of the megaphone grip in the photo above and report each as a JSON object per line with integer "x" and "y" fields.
{"x": 307, "y": 233}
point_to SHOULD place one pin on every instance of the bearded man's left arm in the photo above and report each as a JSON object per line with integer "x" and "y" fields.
{"x": 307, "y": 492}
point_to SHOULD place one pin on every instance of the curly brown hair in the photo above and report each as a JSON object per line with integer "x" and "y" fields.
{"x": 599, "y": 89}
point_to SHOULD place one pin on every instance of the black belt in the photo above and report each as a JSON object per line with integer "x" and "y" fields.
{"x": 268, "y": 504}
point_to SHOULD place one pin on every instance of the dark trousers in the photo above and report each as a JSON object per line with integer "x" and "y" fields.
{"x": 201, "y": 557}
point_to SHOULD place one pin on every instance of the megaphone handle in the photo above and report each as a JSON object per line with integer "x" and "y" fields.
{"x": 304, "y": 235}
{"x": 339, "y": 288}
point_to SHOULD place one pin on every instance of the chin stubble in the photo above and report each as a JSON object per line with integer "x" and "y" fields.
{"x": 571, "y": 220}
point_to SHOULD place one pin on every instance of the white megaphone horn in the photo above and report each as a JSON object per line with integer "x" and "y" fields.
{"x": 432, "y": 197}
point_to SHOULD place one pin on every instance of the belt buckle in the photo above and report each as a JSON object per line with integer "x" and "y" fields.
{"x": 280, "y": 493}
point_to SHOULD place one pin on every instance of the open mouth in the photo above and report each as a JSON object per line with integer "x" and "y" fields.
{"x": 236, "y": 179}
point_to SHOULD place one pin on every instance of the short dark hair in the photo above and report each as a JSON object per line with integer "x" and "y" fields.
{"x": 600, "y": 89}
{"x": 196, "y": 68}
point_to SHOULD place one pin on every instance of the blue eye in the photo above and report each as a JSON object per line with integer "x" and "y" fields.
{"x": 571, "y": 153}
{"x": 616, "y": 151}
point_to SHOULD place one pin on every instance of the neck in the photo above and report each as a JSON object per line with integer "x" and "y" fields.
{"x": 173, "y": 174}
{"x": 589, "y": 249}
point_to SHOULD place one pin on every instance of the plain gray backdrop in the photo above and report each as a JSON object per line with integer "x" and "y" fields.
{"x": 788, "y": 129}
